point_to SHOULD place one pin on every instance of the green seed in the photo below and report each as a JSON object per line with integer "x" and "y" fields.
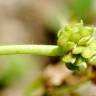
{"x": 69, "y": 58}
{"x": 86, "y": 31}
{"x": 84, "y": 40}
{"x": 92, "y": 39}
{"x": 80, "y": 62}
{"x": 87, "y": 53}
{"x": 93, "y": 45}
{"x": 75, "y": 37}
{"x": 62, "y": 41}
{"x": 92, "y": 60}
{"x": 69, "y": 46}
{"x": 78, "y": 50}
{"x": 65, "y": 32}
{"x": 82, "y": 66}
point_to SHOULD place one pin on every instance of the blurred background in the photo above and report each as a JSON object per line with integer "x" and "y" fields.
{"x": 37, "y": 22}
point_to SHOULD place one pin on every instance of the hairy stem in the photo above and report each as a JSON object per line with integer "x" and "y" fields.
{"x": 45, "y": 50}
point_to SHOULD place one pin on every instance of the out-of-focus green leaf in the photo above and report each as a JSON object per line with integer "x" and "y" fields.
{"x": 16, "y": 68}
{"x": 33, "y": 87}
{"x": 81, "y": 7}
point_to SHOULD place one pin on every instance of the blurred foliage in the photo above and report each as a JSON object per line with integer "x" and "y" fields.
{"x": 30, "y": 91}
{"x": 81, "y": 8}
{"x": 17, "y": 67}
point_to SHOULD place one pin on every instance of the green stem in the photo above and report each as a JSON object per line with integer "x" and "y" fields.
{"x": 45, "y": 50}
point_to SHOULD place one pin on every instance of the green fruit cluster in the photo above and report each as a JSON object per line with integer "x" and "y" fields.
{"x": 79, "y": 45}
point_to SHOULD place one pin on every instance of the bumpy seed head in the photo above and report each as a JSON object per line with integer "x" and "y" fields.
{"x": 77, "y": 40}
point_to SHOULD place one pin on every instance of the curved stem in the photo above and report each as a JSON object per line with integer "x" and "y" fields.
{"x": 46, "y": 50}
